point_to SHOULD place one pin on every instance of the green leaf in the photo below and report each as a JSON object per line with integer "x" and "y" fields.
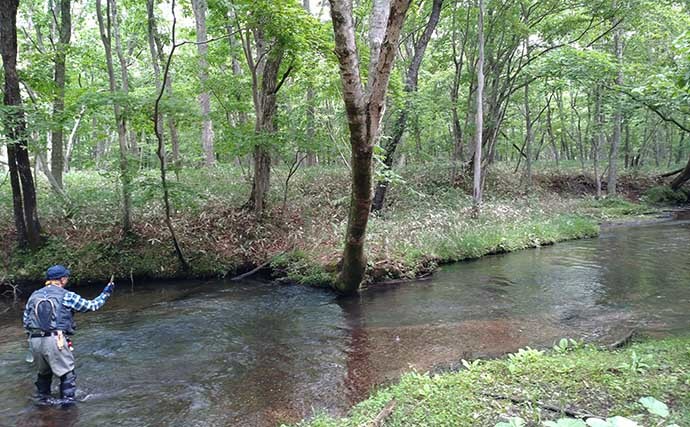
{"x": 654, "y": 406}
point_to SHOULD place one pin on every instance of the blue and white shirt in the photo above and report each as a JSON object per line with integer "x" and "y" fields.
{"x": 81, "y": 304}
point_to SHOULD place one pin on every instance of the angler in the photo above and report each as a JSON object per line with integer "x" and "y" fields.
{"x": 49, "y": 321}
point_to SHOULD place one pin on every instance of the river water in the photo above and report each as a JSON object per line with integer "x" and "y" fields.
{"x": 258, "y": 354}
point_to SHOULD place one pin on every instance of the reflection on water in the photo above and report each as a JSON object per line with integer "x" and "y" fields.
{"x": 259, "y": 354}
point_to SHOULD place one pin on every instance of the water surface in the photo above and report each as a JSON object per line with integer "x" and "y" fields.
{"x": 254, "y": 353}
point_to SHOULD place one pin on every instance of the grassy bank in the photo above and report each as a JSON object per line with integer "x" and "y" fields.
{"x": 426, "y": 222}
{"x": 580, "y": 379}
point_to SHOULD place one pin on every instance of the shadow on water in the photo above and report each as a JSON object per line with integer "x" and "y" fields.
{"x": 49, "y": 416}
{"x": 253, "y": 353}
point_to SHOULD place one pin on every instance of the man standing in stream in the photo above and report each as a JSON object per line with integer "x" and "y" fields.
{"x": 49, "y": 321}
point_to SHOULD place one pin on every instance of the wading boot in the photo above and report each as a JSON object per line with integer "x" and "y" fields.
{"x": 43, "y": 386}
{"x": 68, "y": 389}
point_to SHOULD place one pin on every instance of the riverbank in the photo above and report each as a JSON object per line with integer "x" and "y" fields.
{"x": 538, "y": 387}
{"x": 427, "y": 222}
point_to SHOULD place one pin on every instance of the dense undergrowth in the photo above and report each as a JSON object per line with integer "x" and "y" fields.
{"x": 532, "y": 386}
{"x": 426, "y": 222}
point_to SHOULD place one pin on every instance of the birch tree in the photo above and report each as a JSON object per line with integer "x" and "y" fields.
{"x": 200, "y": 7}
{"x": 411, "y": 80}
{"x": 477, "y": 182}
{"x": 364, "y": 107}
{"x": 105, "y": 28}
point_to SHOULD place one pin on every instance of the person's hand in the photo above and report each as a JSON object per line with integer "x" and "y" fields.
{"x": 109, "y": 288}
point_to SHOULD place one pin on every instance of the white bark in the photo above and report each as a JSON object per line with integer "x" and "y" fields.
{"x": 617, "y": 117}
{"x": 377, "y": 30}
{"x": 72, "y": 136}
{"x": 200, "y": 7}
{"x": 477, "y": 193}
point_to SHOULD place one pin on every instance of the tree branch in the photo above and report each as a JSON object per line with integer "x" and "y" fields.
{"x": 654, "y": 108}
{"x": 285, "y": 76}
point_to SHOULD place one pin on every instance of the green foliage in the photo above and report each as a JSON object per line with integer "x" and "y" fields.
{"x": 565, "y": 345}
{"x": 654, "y": 406}
{"x": 636, "y": 364}
{"x": 521, "y": 360}
{"x": 299, "y": 268}
{"x": 613, "y": 207}
{"x": 581, "y": 378}
{"x": 664, "y": 195}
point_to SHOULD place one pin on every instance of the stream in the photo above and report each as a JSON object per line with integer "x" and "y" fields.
{"x": 253, "y": 353}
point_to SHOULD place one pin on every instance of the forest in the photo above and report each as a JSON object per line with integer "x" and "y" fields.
{"x": 363, "y": 144}
{"x": 242, "y": 132}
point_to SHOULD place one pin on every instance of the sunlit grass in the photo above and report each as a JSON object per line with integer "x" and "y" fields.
{"x": 426, "y": 221}
{"x": 588, "y": 380}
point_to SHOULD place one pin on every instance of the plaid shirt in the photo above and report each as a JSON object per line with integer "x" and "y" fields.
{"x": 80, "y": 304}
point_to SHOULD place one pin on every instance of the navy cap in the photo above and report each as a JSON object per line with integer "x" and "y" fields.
{"x": 56, "y": 272}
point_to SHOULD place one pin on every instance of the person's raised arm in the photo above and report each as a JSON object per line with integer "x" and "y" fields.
{"x": 78, "y": 303}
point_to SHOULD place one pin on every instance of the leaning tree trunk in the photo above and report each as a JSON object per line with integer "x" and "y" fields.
{"x": 681, "y": 179}
{"x": 200, "y": 7}
{"x": 151, "y": 27}
{"x": 157, "y": 50}
{"x": 57, "y": 163}
{"x": 364, "y": 111}
{"x": 410, "y": 88}
{"x": 158, "y": 127}
{"x": 14, "y": 123}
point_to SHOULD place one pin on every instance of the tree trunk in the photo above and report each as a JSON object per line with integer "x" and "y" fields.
{"x": 565, "y": 148}
{"x": 364, "y": 111}
{"x": 72, "y": 139}
{"x": 457, "y": 130}
{"x": 158, "y": 129}
{"x": 598, "y": 140}
{"x": 681, "y": 147}
{"x": 155, "y": 58}
{"x": 477, "y": 182}
{"x": 125, "y": 177}
{"x": 14, "y": 124}
{"x": 549, "y": 129}
{"x": 158, "y": 51}
{"x": 57, "y": 156}
{"x": 377, "y": 30}
{"x": 682, "y": 178}
{"x": 311, "y": 159}
{"x": 200, "y": 7}
{"x": 410, "y": 88}
{"x": 617, "y": 117}
{"x": 627, "y": 146}
{"x": 529, "y": 142}
{"x": 265, "y": 128}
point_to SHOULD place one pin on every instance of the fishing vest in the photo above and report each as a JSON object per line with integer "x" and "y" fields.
{"x": 46, "y": 312}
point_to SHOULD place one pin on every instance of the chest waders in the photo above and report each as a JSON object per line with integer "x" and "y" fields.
{"x": 49, "y": 320}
